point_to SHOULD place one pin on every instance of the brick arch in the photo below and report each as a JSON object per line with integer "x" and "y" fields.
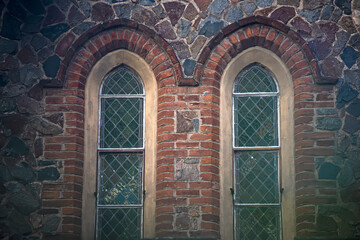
{"x": 262, "y": 32}
{"x": 112, "y": 35}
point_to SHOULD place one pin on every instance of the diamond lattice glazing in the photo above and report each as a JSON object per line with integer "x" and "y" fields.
{"x": 121, "y": 123}
{"x": 256, "y": 174}
{"x": 120, "y": 180}
{"x": 257, "y": 223}
{"x": 255, "y": 121}
{"x": 122, "y": 81}
{"x": 254, "y": 78}
{"x": 121, "y": 223}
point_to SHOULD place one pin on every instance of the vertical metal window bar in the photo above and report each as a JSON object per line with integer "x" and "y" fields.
{"x": 119, "y": 204}
{"x": 257, "y": 200}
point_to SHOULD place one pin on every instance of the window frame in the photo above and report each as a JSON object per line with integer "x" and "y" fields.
{"x": 286, "y": 138}
{"x": 91, "y": 133}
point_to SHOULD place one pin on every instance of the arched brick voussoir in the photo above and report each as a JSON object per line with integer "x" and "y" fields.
{"x": 104, "y": 38}
{"x": 262, "y": 32}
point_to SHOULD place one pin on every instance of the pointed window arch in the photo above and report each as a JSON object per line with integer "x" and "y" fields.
{"x": 120, "y": 149}
{"x": 257, "y": 139}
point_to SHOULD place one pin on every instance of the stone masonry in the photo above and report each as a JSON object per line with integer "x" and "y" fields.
{"x": 48, "y": 47}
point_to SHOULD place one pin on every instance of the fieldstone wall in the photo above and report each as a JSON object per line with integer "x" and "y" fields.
{"x": 46, "y": 53}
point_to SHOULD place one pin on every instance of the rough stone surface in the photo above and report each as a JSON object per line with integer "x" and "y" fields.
{"x": 26, "y": 55}
{"x": 345, "y": 94}
{"x": 264, "y": 3}
{"x": 336, "y": 15}
{"x": 144, "y": 16}
{"x": 15, "y": 9}
{"x": 355, "y": 41}
{"x": 4, "y": 79}
{"x": 53, "y": 15}
{"x": 187, "y": 169}
{"x": 346, "y": 177}
{"x": 184, "y": 121}
{"x": 51, "y": 224}
{"x": 22, "y": 172}
{"x": 197, "y": 46}
{"x": 38, "y": 42}
{"x": 190, "y": 12}
{"x": 165, "y": 30}
{"x": 351, "y": 193}
{"x": 75, "y": 16}
{"x": 16, "y": 147}
{"x": 354, "y": 108}
{"x": 344, "y": 5}
{"x": 57, "y": 118}
{"x": 349, "y": 56}
{"x": 301, "y": 25}
{"x": 123, "y": 10}
{"x": 311, "y": 16}
{"x": 328, "y": 171}
{"x": 183, "y": 28}
{"x": 327, "y": 12}
{"x": 202, "y": 4}
{"x": 83, "y": 27}
{"x": 331, "y": 67}
{"x": 295, "y": 3}
{"x": 102, "y": 12}
{"x": 54, "y": 31}
{"x": 343, "y": 142}
{"x": 4, "y": 173}
{"x": 353, "y": 77}
{"x": 12, "y": 91}
{"x": 51, "y": 66}
{"x": 347, "y": 24}
{"x": 311, "y": 5}
{"x": 351, "y": 124}
{"x": 3, "y": 211}
{"x": 234, "y": 14}
{"x": 283, "y": 14}
{"x": 325, "y": 223}
{"x": 320, "y": 48}
{"x": 147, "y": 2}
{"x": 248, "y": 7}
{"x": 328, "y": 123}
{"x": 174, "y": 11}
{"x": 329, "y": 29}
{"x": 49, "y": 173}
{"x": 45, "y": 127}
{"x": 189, "y": 66}
{"x": 35, "y": 6}
{"x": 7, "y": 105}
{"x": 28, "y": 105}
{"x": 32, "y": 24}
{"x": 18, "y": 223}
{"x": 10, "y": 27}
{"x": 210, "y": 27}
{"x": 29, "y": 75}
{"x": 8, "y": 46}
{"x": 160, "y": 12}
{"x": 181, "y": 48}
{"x": 85, "y": 7}
{"x": 24, "y": 202}
{"x": 218, "y": 6}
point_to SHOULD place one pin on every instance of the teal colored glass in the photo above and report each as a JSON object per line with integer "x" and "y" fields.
{"x": 120, "y": 180}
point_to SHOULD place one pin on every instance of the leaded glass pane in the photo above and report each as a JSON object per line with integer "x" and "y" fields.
{"x": 122, "y": 81}
{"x": 121, "y": 123}
{"x": 120, "y": 180}
{"x": 254, "y": 78}
{"x": 255, "y": 121}
{"x": 119, "y": 224}
{"x": 257, "y": 223}
{"x": 256, "y": 175}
